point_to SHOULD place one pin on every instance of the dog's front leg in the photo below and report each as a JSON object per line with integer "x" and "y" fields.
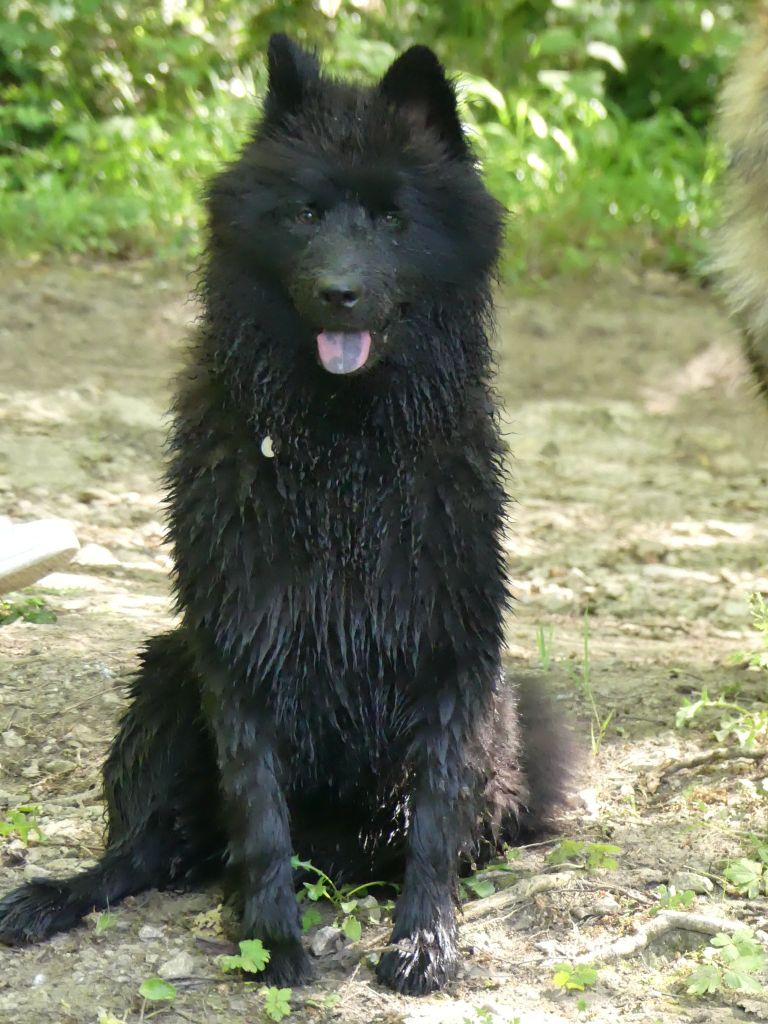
{"x": 259, "y": 836}
{"x": 440, "y": 807}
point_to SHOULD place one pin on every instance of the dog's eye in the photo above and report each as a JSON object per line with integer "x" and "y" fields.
{"x": 392, "y": 219}
{"x": 308, "y": 215}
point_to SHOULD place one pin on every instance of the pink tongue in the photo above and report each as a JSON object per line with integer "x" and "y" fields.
{"x": 343, "y": 351}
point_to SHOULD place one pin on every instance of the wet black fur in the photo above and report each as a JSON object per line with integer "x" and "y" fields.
{"x": 336, "y": 686}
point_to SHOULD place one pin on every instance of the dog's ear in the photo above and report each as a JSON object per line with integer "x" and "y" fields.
{"x": 417, "y": 83}
{"x": 291, "y": 70}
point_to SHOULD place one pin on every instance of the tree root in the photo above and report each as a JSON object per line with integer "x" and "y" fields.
{"x": 520, "y": 892}
{"x": 664, "y": 923}
{"x": 697, "y": 760}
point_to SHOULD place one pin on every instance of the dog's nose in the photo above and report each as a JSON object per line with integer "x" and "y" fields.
{"x": 339, "y": 293}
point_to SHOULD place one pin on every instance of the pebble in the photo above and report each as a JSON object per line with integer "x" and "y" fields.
{"x": 325, "y": 940}
{"x": 683, "y": 880}
{"x": 147, "y": 932}
{"x": 599, "y": 908}
{"x": 368, "y": 909}
{"x": 12, "y": 739}
{"x": 180, "y": 966}
{"x": 32, "y": 871}
{"x": 95, "y": 554}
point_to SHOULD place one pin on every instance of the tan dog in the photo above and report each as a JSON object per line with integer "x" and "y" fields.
{"x": 741, "y": 253}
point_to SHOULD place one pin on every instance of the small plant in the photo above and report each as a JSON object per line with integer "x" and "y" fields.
{"x": 105, "y": 921}
{"x": 353, "y": 904}
{"x": 544, "y": 635}
{"x": 482, "y": 1015}
{"x": 572, "y": 978}
{"x": 476, "y": 887}
{"x": 326, "y": 1002}
{"x": 749, "y": 877}
{"x": 30, "y": 609}
{"x": 208, "y": 922}
{"x": 734, "y": 960}
{"x": 277, "y": 1002}
{"x": 484, "y": 883}
{"x": 592, "y": 856}
{"x": 671, "y": 899}
{"x": 155, "y": 990}
{"x": 252, "y": 958}
{"x": 22, "y": 822}
{"x": 746, "y": 726}
{"x": 582, "y": 676}
{"x": 758, "y": 608}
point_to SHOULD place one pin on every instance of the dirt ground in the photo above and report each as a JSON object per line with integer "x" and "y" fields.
{"x": 639, "y": 472}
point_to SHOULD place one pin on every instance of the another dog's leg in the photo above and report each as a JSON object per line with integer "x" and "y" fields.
{"x": 259, "y": 836}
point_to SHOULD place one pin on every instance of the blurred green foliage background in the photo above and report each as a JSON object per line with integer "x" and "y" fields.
{"x": 590, "y": 116}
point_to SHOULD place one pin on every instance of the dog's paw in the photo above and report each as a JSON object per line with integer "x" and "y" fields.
{"x": 421, "y": 964}
{"x": 288, "y": 965}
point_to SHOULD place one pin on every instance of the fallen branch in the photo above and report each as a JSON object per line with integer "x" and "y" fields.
{"x": 499, "y": 903}
{"x": 664, "y": 923}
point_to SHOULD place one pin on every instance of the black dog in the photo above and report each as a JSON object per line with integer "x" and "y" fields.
{"x": 336, "y": 509}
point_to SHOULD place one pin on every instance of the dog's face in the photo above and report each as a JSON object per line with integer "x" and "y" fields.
{"x": 362, "y": 205}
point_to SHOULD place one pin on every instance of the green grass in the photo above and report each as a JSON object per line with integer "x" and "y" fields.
{"x": 119, "y": 187}
{"x": 131, "y": 187}
{"x": 588, "y": 119}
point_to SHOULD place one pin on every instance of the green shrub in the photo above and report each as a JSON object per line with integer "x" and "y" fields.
{"x": 587, "y": 115}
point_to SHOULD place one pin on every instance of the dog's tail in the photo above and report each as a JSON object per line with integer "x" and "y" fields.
{"x": 550, "y": 756}
{"x": 740, "y": 257}
{"x": 534, "y": 762}
{"x": 160, "y": 787}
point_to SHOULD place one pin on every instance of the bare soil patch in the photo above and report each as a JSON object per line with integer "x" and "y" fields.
{"x": 639, "y": 472}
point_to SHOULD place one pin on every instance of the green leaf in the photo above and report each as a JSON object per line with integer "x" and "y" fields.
{"x": 600, "y": 855}
{"x": 566, "y": 850}
{"x": 253, "y": 957}
{"x": 480, "y": 887}
{"x": 40, "y": 616}
{"x": 277, "y": 1002}
{"x": 254, "y": 952}
{"x": 157, "y": 990}
{"x": 581, "y": 977}
{"x": 347, "y": 906}
{"x": 352, "y": 928}
{"x": 741, "y": 981}
{"x": 310, "y": 918}
{"x": 316, "y": 890}
{"x": 747, "y": 964}
{"x": 705, "y": 979}
{"x": 746, "y": 875}
{"x": 574, "y": 978}
{"x": 104, "y": 922}
{"x": 555, "y": 42}
{"x": 562, "y": 975}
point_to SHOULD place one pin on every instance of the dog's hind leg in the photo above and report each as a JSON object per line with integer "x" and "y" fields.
{"x": 160, "y": 786}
